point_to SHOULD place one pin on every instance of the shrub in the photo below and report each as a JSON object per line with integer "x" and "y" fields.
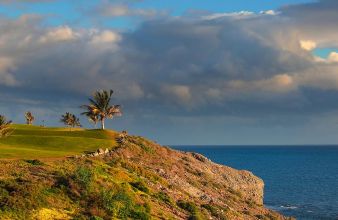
{"x": 188, "y": 206}
{"x": 119, "y": 204}
{"x": 95, "y": 218}
{"x": 164, "y": 197}
{"x": 216, "y": 211}
{"x": 122, "y": 206}
{"x": 83, "y": 176}
{"x": 35, "y": 162}
{"x": 140, "y": 215}
{"x": 140, "y": 186}
{"x": 235, "y": 192}
{"x": 191, "y": 208}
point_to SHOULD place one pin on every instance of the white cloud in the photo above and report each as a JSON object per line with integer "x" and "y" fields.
{"x": 278, "y": 84}
{"x": 106, "y": 36}
{"x": 178, "y": 93}
{"x": 323, "y": 77}
{"x": 238, "y": 15}
{"x": 269, "y": 12}
{"x": 63, "y": 33}
{"x": 308, "y": 45}
{"x": 333, "y": 57}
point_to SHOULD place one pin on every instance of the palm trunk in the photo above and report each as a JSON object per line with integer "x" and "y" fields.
{"x": 102, "y": 123}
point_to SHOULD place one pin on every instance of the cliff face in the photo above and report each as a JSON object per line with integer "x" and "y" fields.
{"x": 193, "y": 173}
{"x": 188, "y": 176}
{"x": 137, "y": 180}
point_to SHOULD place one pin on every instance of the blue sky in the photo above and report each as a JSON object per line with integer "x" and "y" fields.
{"x": 72, "y": 12}
{"x": 185, "y": 72}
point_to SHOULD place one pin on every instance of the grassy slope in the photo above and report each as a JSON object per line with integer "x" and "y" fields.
{"x": 30, "y": 142}
{"x": 138, "y": 180}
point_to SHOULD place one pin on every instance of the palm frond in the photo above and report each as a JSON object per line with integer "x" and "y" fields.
{"x": 5, "y": 129}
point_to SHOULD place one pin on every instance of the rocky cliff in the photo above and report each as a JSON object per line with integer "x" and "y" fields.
{"x": 139, "y": 179}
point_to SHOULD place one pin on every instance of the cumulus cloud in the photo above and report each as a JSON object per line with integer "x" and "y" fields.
{"x": 178, "y": 93}
{"x": 308, "y": 44}
{"x": 333, "y": 57}
{"x": 106, "y": 36}
{"x": 63, "y": 33}
{"x": 258, "y": 65}
{"x": 316, "y": 20}
{"x": 278, "y": 83}
{"x": 269, "y": 12}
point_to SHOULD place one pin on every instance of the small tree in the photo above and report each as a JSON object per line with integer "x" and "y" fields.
{"x": 100, "y": 106}
{"x": 70, "y": 120}
{"x": 5, "y": 129}
{"x": 29, "y": 118}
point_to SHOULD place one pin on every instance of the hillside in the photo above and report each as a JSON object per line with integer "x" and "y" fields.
{"x": 136, "y": 179}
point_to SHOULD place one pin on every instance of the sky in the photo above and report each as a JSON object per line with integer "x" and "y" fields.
{"x": 193, "y": 72}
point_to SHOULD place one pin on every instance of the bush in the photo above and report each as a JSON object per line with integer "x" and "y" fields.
{"x": 164, "y": 197}
{"x": 140, "y": 215}
{"x": 119, "y": 204}
{"x": 191, "y": 208}
{"x": 95, "y": 218}
{"x": 35, "y": 162}
{"x": 216, "y": 211}
{"x": 188, "y": 206}
{"x": 140, "y": 186}
{"x": 83, "y": 176}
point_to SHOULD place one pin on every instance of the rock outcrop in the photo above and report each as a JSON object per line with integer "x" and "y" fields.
{"x": 194, "y": 175}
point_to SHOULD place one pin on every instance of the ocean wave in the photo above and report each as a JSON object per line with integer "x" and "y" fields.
{"x": 288, "y": 207}
{"x": 281, "y": 207}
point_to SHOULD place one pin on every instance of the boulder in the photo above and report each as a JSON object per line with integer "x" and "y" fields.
{"x": 100, "y": 151}
{"x": 200, "y": 157}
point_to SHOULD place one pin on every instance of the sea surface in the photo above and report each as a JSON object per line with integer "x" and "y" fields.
{"x": 300, "y": 181}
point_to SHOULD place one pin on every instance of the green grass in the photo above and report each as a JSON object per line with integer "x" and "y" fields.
{"x": 29, "y": 142}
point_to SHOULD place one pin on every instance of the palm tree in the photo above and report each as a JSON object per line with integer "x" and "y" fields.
{"x": 92, "y": 116}
{"x": 100, "y": 106}
{"x": 5, "y": 129}
{"x": 70, "y": 120}
{"x": 29, "y": 118}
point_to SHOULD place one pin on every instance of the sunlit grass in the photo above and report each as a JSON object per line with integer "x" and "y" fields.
{"x": 29, "y": 141}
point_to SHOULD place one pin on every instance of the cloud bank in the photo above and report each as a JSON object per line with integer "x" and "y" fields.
{"x": 242, "y": 65}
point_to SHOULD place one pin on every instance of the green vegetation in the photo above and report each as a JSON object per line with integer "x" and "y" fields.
{"x": 5, "y": 129}
{"x": 69, "y": 190}
{"x": 32, "y": 142}
{"x": 164, "y": 197}
{"x": 190, "y": 207}
{"x": 216, "y": 211}
{"x": 140, "y": 186}
{"x": 34, "y": 162}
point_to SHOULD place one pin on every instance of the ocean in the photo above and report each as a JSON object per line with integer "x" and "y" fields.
{"x": 300, "y": 181}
